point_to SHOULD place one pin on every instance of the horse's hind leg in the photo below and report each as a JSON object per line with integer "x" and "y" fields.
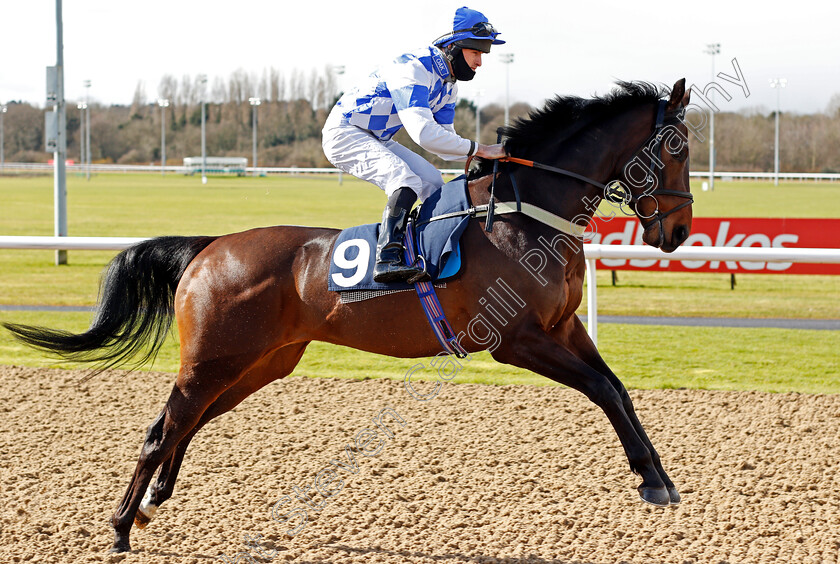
{"x": 586, "y": 350}
{"x": 157, "y": 493}
{"x": 195, "y": 389}
{"x": 277, "y": 365}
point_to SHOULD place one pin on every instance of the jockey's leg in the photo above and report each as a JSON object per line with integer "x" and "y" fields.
{"x": 430, "y": 177}
{"x": 386, "y": 164}
{"x": 390, "y": 266}
{"x": 416, "y": 178}
{"x": 401, "y": 173}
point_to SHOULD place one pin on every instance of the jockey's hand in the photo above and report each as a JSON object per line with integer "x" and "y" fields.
{"x": 490, "y": 151}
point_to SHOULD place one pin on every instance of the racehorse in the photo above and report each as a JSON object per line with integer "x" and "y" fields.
{"x": 248, "y": 304}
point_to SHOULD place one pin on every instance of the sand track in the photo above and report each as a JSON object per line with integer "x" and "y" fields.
{"x": 477, "y": 474}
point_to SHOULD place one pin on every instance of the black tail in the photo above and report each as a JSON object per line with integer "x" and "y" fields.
{"x": 135, "y": 310}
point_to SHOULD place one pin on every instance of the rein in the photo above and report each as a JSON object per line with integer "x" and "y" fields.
{"x": 540, "y": 166}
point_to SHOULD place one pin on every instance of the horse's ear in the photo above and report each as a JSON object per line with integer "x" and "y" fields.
{"x": 677, "y": 95}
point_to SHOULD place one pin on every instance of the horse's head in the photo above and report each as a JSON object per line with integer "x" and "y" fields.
{"x": 591, "y": 137}
{"x": 657, "y": 176}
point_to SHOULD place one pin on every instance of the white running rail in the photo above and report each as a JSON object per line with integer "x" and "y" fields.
{"x": 293, "y": 170}
{"x": 591, "y": 252}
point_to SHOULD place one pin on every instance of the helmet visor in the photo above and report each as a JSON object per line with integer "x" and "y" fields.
{"x": 481, "y": 29}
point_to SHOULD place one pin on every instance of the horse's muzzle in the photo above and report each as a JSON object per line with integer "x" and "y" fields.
{"x": 679, "y": 235}
{"x": 656, "y": 235}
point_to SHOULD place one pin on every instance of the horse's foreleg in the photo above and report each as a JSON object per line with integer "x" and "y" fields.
{"x": 579, "y": 342}
{"x": 533, "y": 349}
{"x": 277, "y": 365}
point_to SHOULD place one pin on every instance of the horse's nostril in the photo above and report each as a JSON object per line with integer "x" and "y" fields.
{"x": 680, "y": 235}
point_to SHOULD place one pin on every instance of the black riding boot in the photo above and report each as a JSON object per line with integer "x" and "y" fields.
{"x": 390, "y": 266}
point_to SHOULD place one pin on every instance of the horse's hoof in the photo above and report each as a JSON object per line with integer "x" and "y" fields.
{"x": 141, "y": 519}
{"x": 659, "y": 497}
{"x": 120, "y": 547}
{"x": 146, "y": 511}
{"x": 674, "y": 495}
{"x": 121, "y": 542}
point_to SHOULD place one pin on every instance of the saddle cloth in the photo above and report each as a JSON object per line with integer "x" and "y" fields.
{"x": 354, "y": 253}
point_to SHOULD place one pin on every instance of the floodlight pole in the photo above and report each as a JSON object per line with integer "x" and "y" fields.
{"x": 507, "y": 59}
{"x": 203, "y": 80}
{"x": 87, "y": 129}
{"x": 255, "y": 102}
{"x": 3, "y": 110}
{"x": 778, "y": 84}
{"x": 82, "y": 107}
{"x": 339, "y": 71}
{"x": 478, "y": 96}
{"x": 163, "y": 103}
{"x": 712, "y": 49}
{"x": 60, "y": 153}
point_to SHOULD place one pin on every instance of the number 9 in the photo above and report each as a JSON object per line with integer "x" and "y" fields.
{"x": 358, "y": 264}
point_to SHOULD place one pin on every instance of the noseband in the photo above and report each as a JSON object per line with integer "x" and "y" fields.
{"x": 614, "y": 190}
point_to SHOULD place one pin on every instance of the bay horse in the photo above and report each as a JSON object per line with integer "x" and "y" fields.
{"x": 248, "y": 304}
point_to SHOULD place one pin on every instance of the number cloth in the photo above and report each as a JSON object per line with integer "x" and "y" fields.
{"x": 352, "y": 257}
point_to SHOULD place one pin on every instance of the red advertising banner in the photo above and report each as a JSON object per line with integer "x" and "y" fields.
{"x": 726, "y": 232}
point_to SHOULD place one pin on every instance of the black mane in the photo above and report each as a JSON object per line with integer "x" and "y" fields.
{"x": 564, "y": 116}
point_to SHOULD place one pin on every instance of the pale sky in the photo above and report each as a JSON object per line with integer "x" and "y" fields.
{"x": 559, "y": 47}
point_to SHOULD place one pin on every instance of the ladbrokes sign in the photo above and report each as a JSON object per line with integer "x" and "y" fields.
{"x": 726, "y": 232}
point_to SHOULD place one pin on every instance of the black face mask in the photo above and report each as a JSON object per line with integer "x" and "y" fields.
{"x": 460, "y": 68}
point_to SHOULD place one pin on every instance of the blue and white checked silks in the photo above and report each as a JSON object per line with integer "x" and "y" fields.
{"x": 412, "y": 86}
{"x": 412, "y": 91}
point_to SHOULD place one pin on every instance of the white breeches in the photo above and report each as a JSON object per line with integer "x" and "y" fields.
{"x": 387, "y": 164}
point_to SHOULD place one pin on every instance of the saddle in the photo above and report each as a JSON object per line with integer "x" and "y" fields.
{"x": 435, "y": 244}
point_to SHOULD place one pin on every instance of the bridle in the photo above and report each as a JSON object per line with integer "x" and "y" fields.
{"x": 615, "y": 190}
{"x": 654, "y": 185}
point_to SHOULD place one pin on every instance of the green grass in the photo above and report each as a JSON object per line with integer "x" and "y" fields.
{"x": 705, "y": 294}
{"x": 644, "y": 356}
{"x": 762, "y": 199}
{"x": 148, "y": 205}
{"x": 649, "y": 357}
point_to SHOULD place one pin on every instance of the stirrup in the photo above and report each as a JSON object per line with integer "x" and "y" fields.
{"x": 423, "y": 275}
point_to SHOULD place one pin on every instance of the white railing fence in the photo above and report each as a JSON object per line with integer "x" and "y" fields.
{"x": 591, "y": 252}
{"x": 269, "y": 170}
{"x": 738, "y": 254}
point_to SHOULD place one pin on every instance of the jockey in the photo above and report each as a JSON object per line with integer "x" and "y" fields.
{"x": 417, "y": 91}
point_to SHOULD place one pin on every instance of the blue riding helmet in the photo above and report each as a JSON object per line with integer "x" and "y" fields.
{"x": 470, "y": 30}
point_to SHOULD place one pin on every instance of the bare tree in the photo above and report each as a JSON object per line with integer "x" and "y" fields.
{"x": 138, "y": 102}
{"x": 295, "y": 108}
{"x": 188, "y": 91}
{"x": 297, "y": 88}
{"x": 833, "y": 107}
{"x": 168, "y": 88}
{"x": 219, "y": 92}
{"x": 240, "y": 87}
{"x": 278, "y": 85}
{"x": 264, "y": 91}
